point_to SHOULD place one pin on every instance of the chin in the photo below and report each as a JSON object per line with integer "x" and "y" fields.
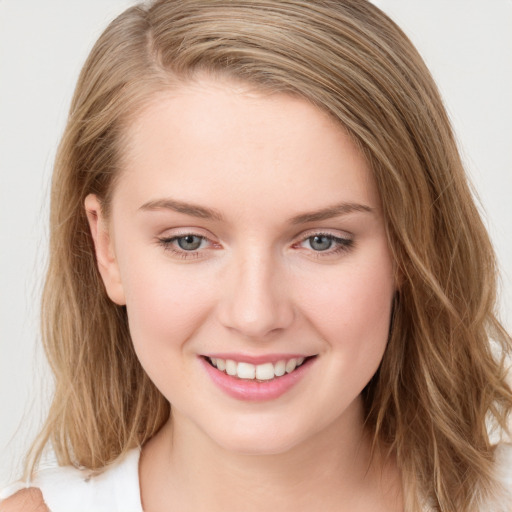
{"x": 260, "y": 440}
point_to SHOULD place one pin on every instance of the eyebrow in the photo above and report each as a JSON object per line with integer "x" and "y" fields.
{"x": 201, "y": 212}
{"x": 182, "y": 207}
{"x": 330, "y": 212}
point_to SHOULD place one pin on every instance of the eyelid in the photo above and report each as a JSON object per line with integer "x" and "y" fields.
{"x": 336, "y": 233}
{"x": 184, "y": 231}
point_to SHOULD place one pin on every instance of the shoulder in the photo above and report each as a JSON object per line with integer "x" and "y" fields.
{"x": 26, "y": 500}
{"x": 65, "y": 488}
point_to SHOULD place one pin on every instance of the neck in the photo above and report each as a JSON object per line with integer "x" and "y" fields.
{"x": 332, "y": 470}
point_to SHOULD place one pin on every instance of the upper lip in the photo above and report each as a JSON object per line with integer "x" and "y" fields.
{"x": 260, "y": 359}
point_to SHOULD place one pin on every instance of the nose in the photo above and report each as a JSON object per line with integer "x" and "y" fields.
{"x": 255, "y": 300}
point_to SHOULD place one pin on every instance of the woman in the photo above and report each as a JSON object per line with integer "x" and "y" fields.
{"x": 269, "y": 284}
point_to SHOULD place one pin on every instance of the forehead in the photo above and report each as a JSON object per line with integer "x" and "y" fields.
{"x": 226, "y": 142}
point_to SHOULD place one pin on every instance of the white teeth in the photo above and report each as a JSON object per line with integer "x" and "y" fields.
{"x": 280, "y": 368}
{"x": 248, "y": 371}
{"x": 230, "y": 367}
{"x": 265, "y": 371}
{"x": 291, "y": 365}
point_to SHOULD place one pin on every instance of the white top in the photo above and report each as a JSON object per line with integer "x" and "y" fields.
{"x": 67, "y": 489}
{"x": 117, "y": 489}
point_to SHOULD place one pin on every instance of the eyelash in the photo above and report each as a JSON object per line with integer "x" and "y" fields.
{"x": 343, "y": 245}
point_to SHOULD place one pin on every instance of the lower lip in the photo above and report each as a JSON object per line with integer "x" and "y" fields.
{"x": 254, "y": 390}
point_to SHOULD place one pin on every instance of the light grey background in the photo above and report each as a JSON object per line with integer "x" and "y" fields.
{"x": 466, "y": 43}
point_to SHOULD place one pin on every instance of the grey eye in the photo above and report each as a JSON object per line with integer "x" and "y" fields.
{"x": 189, "y": 242}
{"x": 320, "y": 242}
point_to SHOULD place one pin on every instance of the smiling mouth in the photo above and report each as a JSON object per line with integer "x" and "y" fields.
{"x": 257, "y": 372}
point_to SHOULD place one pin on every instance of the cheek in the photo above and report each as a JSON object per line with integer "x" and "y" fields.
{"x": 352, "y": 308}
{"x": 164, "y": 312}
{"x": 164, "y": 303}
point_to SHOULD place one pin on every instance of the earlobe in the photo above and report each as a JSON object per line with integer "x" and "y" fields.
{"x": 104, "y": 250}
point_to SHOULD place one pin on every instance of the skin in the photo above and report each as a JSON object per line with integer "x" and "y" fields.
{"x": 257, "y": 285}
{"x": 27, "y": 500}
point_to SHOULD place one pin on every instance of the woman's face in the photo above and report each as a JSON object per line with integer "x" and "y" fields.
{"x": 246, "y": 232}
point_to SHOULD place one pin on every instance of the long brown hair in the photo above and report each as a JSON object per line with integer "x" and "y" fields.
{"x": 440, "y": 380}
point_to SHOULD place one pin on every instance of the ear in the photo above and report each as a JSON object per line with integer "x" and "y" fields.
{"x": 104, "y": 248}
